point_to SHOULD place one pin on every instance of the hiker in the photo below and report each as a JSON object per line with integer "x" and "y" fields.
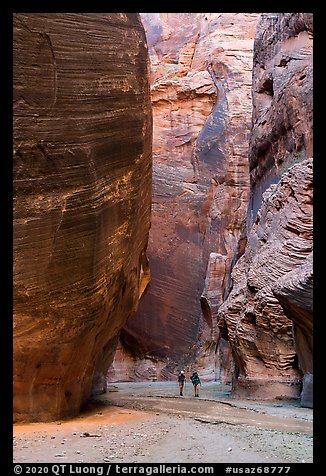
{"x": 196, "y": 382}
{"x": 181, "y": 381}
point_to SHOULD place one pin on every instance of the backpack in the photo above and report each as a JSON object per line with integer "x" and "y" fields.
{"x": 181, "y": 377}
{"x": 195, "y": 378}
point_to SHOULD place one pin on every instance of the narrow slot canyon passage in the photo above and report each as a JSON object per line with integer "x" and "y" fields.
{"x": 163, "y": 221}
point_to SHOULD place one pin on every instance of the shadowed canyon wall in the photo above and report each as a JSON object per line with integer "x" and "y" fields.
{"x": 82, "y": 199}
{"x": 201, "y": 68}
{"x": 267, "y": 317}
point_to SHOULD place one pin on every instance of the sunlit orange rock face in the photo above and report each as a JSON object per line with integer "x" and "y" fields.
{"x": 201, "y": 66}
{"x": 82, "y": 198}
{"x": 267, "y": 317}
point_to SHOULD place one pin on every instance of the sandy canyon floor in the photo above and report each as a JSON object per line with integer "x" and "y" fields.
{"x": 148, "y": 422}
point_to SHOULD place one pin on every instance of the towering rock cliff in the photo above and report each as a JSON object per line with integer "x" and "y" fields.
{"x": 201, "y": 94}
{"x": 82, "y": 194}
{"x": 267, "y": 317}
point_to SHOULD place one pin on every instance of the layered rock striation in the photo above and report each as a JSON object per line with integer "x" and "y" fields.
{"x": 252, "y": 318}
{"x": 82, "y": 199}
{"x": 267, "y": 317}
{"x": 294, "y": 291}
{"x": 201, "y": 66}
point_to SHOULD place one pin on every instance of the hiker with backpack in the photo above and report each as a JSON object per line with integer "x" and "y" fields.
{"x": 181, "y": 381}
{"x": 196, "y": 382}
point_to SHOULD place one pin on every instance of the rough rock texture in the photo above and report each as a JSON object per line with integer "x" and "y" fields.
{"x": 282, "y": 129}
{"x": 294, "y": 291}
{"x": 82, "y": 194}
{"x": 272, "y": 280}
{"x": 211, "y": 299}
{"x": 201, "y": 95}
{"x": 252, "y": 318}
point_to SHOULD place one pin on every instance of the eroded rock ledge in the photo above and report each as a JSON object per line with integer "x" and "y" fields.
{"x": 252, "y": 318}
{"x": 82, "y": 198}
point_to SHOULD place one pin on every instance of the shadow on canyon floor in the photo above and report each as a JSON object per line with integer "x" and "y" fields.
{"x": 147, "y": 422}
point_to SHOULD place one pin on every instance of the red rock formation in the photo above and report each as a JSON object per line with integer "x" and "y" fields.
{"x": 252, "y": 319}
{"x": 294, "y": 291}
{"x": 282, "y": 100}
{"x": 211, "y": 299}
{"x": 272, "y": 281}
{"x": 201, "y": 94}
{"x": 82, "y": 193}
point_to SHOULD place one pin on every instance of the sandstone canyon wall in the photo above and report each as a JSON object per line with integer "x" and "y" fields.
{"x": 82, "y": 199}
{"x": 201, "y": 67}
{"x": 267, "y": 317}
